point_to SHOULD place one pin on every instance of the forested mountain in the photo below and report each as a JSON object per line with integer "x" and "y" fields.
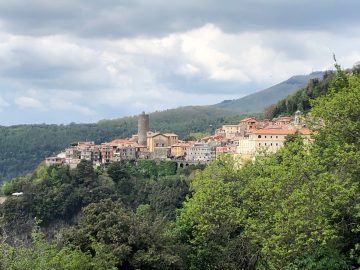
{"x": 298, "y": 208}
{"x": 301, "y": 99}
{"x": 258, "y": 101}
{"x": 23, "y": 147}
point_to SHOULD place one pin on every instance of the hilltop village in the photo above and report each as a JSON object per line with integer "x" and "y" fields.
{"x": 242, "y": 141}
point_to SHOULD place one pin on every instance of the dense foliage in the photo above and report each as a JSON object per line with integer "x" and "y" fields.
{"x": 298, "y": 208}
{"x": 43, "y": 255}
{"x": 23, "y": 147}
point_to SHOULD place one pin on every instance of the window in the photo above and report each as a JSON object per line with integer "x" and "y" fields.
{"x": 259, "y": 144}
{"x": 276, "y": 137}
{"x": 259, "y": 136}
{"x": 265, "y": 136}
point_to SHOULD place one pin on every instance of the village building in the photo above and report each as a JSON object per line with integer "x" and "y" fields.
{"x": 143, "y": 153}
{"x": 157, "y": 140}
{"x": 52, "y": 161}
{"x": 82, "y": 151}
{"x": 273, "y": 139}
{"x": 249, "y": 124}
{"x": 221, "y": 150}
{"x": 238, "y": 130}
{"x": 107, "y": 153}
{"x": 243, "y": 141}
{"x": 124, "y": 153}
{"x": 231, "y": 131}
{"x": 283, "y": 121}
{"x": 199, "y": 152}
{"x": 267, "y": 139}
{"x": 72, "y": 153}
{"x": 213, "y": 138}
{"x": 159, "y": 144}
{"x": 246, "y": 146}
{"x": 121, "y": 143}
{"x": 179, "y": 149}
{"x": 172, "y": 137}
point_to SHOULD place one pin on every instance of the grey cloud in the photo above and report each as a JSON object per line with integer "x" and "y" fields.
{"x": 157, "y": 18}
{"x": 33, "y": 64}
{"x": 85, "y": 60}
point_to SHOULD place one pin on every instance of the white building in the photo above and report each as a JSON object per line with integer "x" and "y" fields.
{"x": 269, "y": 139}
{"x": 199, "y": 152}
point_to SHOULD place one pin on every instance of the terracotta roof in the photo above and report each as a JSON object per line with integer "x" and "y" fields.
{"x": 170, "y": 134}
{"x": 231, "y": 125}
{"x": 275, "y": 131}
{"x": 247, "y": 119}
{"x": 121, "y": 141}
{"x": 181, "y": 145}
{"x": 272, "y": 126}
{"x": 217, "y": 137}
{"x": 153, "y": 134}
{"x": 305, "y": 131}
{"x": 139, "y": 145}
{"x": 284, "y": 118}
{"x": 265, "y": 131}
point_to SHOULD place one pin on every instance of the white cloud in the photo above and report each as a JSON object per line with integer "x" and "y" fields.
{"x": 29, "y": 102}
{"x": 62, "y": 104}
{"x": 188, "y": 70}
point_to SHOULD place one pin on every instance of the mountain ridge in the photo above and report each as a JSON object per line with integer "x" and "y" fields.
{"x": 259, "y": 100}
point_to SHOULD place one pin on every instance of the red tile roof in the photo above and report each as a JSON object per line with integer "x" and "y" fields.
{"x": 181, "y": 145}
{"x": 284, "y": 118}
{"x": 265, "y": 131}
{"x": 121, "y": 141}
{"x": 170, "y": 134}
{"x": 247, "y": 120}
{"x": 305, "y": 131}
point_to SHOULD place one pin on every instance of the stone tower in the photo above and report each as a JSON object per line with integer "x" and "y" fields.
{"x": 143, "y": 128}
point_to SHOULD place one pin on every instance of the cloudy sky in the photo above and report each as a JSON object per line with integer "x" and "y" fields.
{"x": 85, "y": 60}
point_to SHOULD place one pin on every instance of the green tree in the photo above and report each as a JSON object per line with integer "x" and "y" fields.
{"x": 296, "y": 209}
{"x": 167, "y": 167}
{"x": 121, "y": 173}
{"x": 42, "y": 255}
{"x": 147, "y": 168}
{"x": 167, "y": 194}
{"x": 136, "y": 241}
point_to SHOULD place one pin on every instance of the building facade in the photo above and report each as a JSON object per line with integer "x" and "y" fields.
{"x": 199, "y": 152}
